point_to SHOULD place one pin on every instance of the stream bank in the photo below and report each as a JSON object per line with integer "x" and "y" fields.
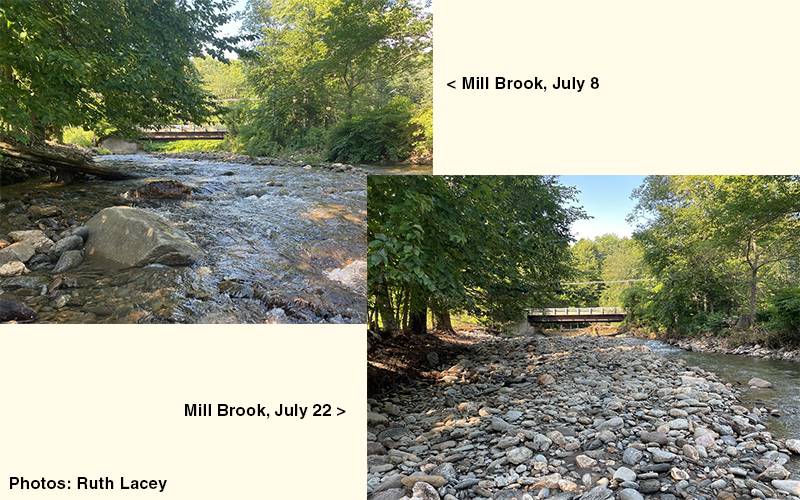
{"x": 563, "y": 418}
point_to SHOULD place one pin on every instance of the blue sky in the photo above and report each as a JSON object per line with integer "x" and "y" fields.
{"x": 607, "y": 199}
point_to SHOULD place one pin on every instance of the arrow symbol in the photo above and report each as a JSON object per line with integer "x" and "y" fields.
{"x": 340, "y": 411}
{"x": 450, "y": 84}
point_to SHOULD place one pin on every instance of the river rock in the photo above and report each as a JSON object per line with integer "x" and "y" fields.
{"x": 12, "y": 311}
{"x": 792, "y": 487}
{"x": 424, "y": 491}
{"x": 21, "y": 251}
{"x": 793, "y": 445}
{"x": 629, "y": 494}
{"x": 15, "y": 268}
{"x": 163, "y": 189}
{"x": 129, "y": 237}
{"x": 519, "y": 455}
{"x": 68, "y": 260}
{"x": 74, "y": 242}
{"x": 35, "y": 237}
{"x": 759, "y": 383}
{"x": 625, "y": 474}
{"x": 436, "y": 481}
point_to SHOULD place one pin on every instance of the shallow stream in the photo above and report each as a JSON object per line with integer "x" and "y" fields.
{"x": 282, "y": 244}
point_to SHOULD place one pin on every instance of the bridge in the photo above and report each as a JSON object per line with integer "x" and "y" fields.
{"x": 576, "y": 315}
{"x": 182, "y": 132}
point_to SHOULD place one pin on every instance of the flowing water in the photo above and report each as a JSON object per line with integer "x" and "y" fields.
{"x": 399, "y": 169}
{"x": 282, "y": 245}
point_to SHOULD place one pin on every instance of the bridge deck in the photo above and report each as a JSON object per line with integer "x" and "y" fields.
{"x": 577, "y": 315}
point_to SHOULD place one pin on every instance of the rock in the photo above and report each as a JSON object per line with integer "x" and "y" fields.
{"x": 436, "y": 481}
{"x": 545, "y": 379}
{"x": 424, "y": 491}
{"x": 36, "y": 238}
{"x": 793, "y": 445}
{"x": 21, "y": 251}
{"x": 163, "y": 189}
{"x": 792, "y": 487}
{"x": 584, "y": 462}
{"x": 433, "y": 359}
{"x": 519, "y": 455}
{"x": 629, "y": 494}
{"x": 632, "y": 456}
{"x": 613, "y": 424}
{"x": 759, "y": 383}
{"x": 68, "y": 260}
{"x": 742, "y": 426}
{"x": 15, "y": 268}
{"x": 649, "y": 485}
{"x": 17, "y": 312}
{"x": 391, "y": 494}
{"x": 498, "y": 424}
{"x": 599, "y": 493}
{"x": 81, "y": 231}
{"x": 625, "y": 474}
{"x": 129, "y": 237}
{"x": 374, "y": 419}
{"x": 375, "y": 448}
{"x": 653, "y": 437}
{"x": 776, "y": 471}
{"x": 662, "y": 456}
{"x": 74, "y": 242}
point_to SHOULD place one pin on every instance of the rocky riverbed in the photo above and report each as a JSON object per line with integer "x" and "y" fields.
{"x": 572, "y": 418}
{"x": 720, "y": 346}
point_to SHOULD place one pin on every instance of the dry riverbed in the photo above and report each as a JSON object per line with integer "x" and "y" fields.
{"x": 571, "y": 418}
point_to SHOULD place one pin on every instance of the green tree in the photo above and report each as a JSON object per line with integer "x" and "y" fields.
{"x": 488, "y": 245}
{"x": 122, "y": 63}
{"x": 224, "y": 80}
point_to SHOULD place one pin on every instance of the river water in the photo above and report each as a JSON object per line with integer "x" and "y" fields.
{"x": 282, "y": 245}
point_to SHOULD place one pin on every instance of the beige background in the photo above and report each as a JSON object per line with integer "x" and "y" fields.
{"x": 685, "y": 87}
{"x": 109, "y": 401}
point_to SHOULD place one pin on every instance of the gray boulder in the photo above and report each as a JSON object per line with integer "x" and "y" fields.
{"x": 68, "y": 260}
{"x": 130, "y": 237}
{"x": 74, "y": 242}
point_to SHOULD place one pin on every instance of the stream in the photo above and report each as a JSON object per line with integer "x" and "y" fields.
{"x": 738, "y": 370}
{"x": 282, "y": 244}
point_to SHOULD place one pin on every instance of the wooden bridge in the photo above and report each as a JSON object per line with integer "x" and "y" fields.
{"x": 576, "y": 315}
{"x": 182, "y": 132}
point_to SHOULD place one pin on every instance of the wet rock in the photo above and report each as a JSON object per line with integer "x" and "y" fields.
{"x": 17, "y": 312}
{"x": 15, "y": 268}
{"x": 68, "y": 260}
{"x": 793, "y": 445}
{"x": 128, "y": 237}
{"x": 81, "y": 231}
{"x": 163, "y": 189}
{"x": 35, "y": 237}
{"x": 629, "y": 494}
{"x": 74, "y": 242}
{"x": 21, "y": 251}
{"x": 759, "y": 383}
{"x": 41, "y": 212}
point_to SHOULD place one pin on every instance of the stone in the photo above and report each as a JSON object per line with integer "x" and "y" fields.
{"x": 436, "y": 481}
{"x": 548, "y": 481}
{"x": 792, "y": 487}
{"x": 613, "y": 424}
{"x": 632, "y": 456}
{"x": 545, "y": 379}
{"x": 74, "y": 242}
{"x": 519, "y": 455}
{"x": 776, "y": 471}
{"x": 599, "y": 493}
{"x": 375, "y": 448}
{"x": 584, "y": 462}
{"x": 68, "y": 260}
{"x": 22, "y": 251}
{"x": 690, "y": 451}
{"x": 424, "y": 491}
{"x": 498, "y": 424}
{"x": 391, "y": 494}
{"x": 793, "y": 445}
{"x": 433, "y": 359}
{"x": 163, "y": 189}
{"x": 625, "y": 474}
{"x": 629, "y": 494}
{"x": 759, "y": 383}
{"x": 653, "y": 437}
{"x": 374, "y": 419}
{"x": 649, "y": 485}
{"x": 679, "y": 474}
{"x": 742, "y": 426}
{"x": 129, "y": 237}
{"x": 81, "y": 231}
{"x": 14, "y": 268}
{"x": 16, "y": 312}
{"x": 662, "y": 456}
{"x": 35, "y": 237}
{"x": 679, "y": 424}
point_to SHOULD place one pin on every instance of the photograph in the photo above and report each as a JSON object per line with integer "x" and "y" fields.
{"x": 583, "y": 336}
{"x": 202, "y": 162}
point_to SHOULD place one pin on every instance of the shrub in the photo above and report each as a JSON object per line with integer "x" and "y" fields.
{"x": 76, "y": 135}
{"x": 384, "y": 134}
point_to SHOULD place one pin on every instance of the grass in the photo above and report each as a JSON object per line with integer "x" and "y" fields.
{"x": 187, "y": 146}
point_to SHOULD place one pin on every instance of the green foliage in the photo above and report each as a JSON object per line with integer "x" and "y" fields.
{"x": 222, "y": 79}
{"x": 76, "y": 135}
{"x": 385, "y": 134}
{"x": 319, "y": 62}
{"x": 714, "y": 242}
{"x": 783, "y": 312}
{"x": 186, "y": 146}
{"x": 123, "y": 63}
{"x": 489, "y": 246}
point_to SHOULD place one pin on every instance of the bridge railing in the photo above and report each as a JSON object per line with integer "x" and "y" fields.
{"x": 576, "y": 311}
{"x": 185, "y": 128}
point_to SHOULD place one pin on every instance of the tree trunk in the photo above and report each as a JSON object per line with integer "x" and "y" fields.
{"x": 38, "y": 157}
{"x": 418, "y": 321}
{"x": 441, "y": 321}
{"x": 383, "y": 304}
{"x": 753, "y": 285}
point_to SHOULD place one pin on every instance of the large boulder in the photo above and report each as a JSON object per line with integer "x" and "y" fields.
{"x": 130, "y": 237}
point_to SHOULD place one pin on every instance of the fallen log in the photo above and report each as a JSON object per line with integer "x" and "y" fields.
{"x": 60, "y": 162}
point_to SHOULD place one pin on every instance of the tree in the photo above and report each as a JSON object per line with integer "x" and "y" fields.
{"x": 487, "y": 245}
{"x": 122, "y": 63}
{"x": 712, "y": 239}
